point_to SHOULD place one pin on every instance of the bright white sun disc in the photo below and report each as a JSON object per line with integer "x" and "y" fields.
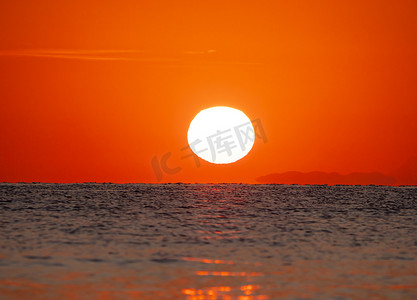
{"x": 221, "y": 135}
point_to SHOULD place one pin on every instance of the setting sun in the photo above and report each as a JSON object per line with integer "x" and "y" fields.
{"x": 241, "y": 150}
{"x": 221, "y": 135}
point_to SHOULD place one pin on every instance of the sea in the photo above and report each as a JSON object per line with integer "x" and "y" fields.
{"x": 207, "y": 241}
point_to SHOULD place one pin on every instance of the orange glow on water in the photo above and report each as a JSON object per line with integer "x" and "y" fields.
{"x": 208, "y": 261}
{"x": 224, "y": 293}
{"x": 302, "y": 280}
{"x": 225, "y": 273}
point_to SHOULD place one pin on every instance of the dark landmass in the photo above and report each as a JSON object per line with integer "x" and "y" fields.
{"x": 405, "y": 175}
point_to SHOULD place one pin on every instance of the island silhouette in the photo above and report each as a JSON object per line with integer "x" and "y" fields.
{"x": 406, "y": 174}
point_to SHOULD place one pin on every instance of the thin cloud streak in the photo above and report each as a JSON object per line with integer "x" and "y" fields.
{"x": 185, "y": 58}
{"x": 106, "y": 55}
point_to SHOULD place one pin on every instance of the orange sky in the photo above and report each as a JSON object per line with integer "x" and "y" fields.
{"x": 93, "y": 90}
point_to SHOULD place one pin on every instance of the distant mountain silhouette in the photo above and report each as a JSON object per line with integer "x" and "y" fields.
{"x": 407, "y": 173}
{"x": 328, "y": 178}
{"x": 404, "y": 175}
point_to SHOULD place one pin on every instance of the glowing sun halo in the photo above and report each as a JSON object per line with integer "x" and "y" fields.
{"x": 221, "y": 135}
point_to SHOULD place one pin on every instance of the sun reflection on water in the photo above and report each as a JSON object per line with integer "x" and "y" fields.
{"x": 244, "y": 292}
{"x": 224, "y": 273}
{"x": 208, "y": 261}
{"x": 240, "y": 286}
{"x": 222, "y": 278}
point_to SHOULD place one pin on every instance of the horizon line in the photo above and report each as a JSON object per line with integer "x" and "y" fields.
{"x": 212, "y": 183}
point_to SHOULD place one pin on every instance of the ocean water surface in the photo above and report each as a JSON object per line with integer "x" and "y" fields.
{"x": 207, "y": 241}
